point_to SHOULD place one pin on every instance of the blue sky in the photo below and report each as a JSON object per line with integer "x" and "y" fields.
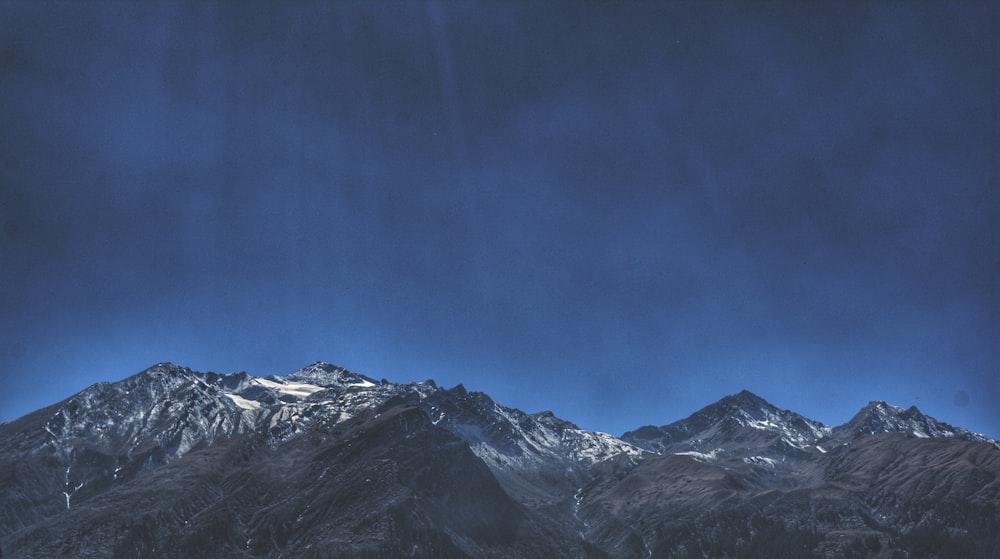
{"x": 617, "y": 211}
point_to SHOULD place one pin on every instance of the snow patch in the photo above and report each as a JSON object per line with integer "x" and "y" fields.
{"x": 701, "y": 456}
{"x": 764, "y": 425}
{"x": 297, "y": 389}
{"x": 243, "y": 403}
{"x": 363, "y": 384}
{"x": 821, "y": 449}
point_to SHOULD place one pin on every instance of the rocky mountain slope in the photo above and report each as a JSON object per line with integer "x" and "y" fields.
{"x": 328, "y": 463}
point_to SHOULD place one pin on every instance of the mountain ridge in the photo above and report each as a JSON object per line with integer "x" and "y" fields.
{"x": 319, "y": 368}
{"x": 556, "y": 489}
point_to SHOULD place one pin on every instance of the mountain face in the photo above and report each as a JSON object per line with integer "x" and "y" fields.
{"x": 328, "y": 463}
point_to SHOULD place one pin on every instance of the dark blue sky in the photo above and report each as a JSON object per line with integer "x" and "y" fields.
{"x": 620, "y": 212}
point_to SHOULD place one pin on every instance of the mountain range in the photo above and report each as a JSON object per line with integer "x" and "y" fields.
{"x": 325, "y": 463}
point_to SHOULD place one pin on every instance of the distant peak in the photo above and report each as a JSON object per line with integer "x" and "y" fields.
{"x": 745, "y": 400}
{"x": 880, "y": 404}
{"x": 884, "y": 409}
{"x": 749, "y": 396}
{"x": 166, "y": 368}
{"x": 326, "y": 374}
{"x": 327, "y": 367}
{"x": 742, "y": 407}
{"x": 881, "y": 417}
{"x": 547, "y": 417}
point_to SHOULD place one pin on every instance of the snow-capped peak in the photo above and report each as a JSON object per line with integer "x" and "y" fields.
{"x": 881, "y": 417}
{"x": 727, "y": 420}
{"x": 329, "y": 376}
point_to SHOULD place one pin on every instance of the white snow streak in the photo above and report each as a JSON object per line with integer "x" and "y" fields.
{"x": 68, "y": 494}
{"x": 363, "y": 384}
{"x": 577, "y": 500}
{"x": 701, "y": 456}
{"x": 243, "y": 403}
{"x": 297, "y": 389}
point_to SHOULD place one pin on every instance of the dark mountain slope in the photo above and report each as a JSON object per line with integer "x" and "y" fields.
{"x": 889, "y": 482}
{"x": 391, "y": 485}
{"x": 327, "y": 463}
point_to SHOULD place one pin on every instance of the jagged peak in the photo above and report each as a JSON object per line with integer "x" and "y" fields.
{"x": 461, "y": 392}
{"x": 728, "y": 417}
{"x": 746, "y": 399}
{"x": 326, "y": 374}
{"x": 322, "y": 367}
{"x": 547, "y": 417}
{"x": 881, "y": 409}
{"x": 165, "y": 374}
{"x": 167, "y": 367}
{"x": 881, "y": 417}
{"x": 882, "y": 405}
{"x": 747, "y": 394}
{"x": 742, "y": 406}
